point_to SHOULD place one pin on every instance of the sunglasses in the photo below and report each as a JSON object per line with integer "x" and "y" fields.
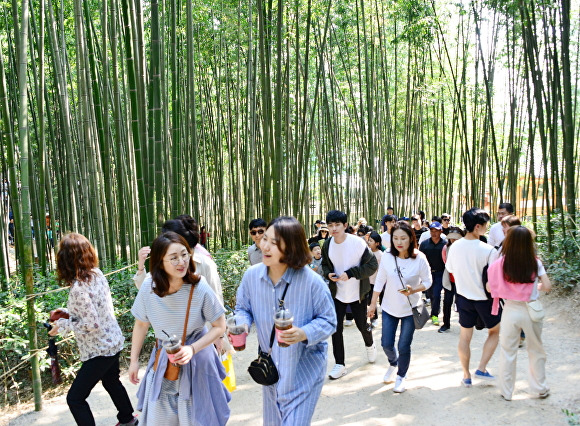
{"x": 446, "y": 220}
{"x": 259, "y": 232}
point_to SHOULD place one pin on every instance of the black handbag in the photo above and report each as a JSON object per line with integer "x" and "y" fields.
{"x": 420, "y": 317}
{"x": 263, "y": 370}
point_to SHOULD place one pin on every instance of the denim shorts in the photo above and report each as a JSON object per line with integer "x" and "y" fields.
{"x": 469, "y": 310}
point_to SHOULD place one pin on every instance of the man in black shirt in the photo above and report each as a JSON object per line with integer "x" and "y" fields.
{"x": 417, "y": 226}
{"x": 445, "y": 222}
{"x": 433, "y": 249}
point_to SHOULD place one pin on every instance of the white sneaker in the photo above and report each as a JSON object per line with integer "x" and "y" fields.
{"x": 388, "y": 378}
{"x": 372, "y": 353}
{"x": 337, "y": 372}
{"x": 399, "y": 385}
{"x": 348, "y": 323}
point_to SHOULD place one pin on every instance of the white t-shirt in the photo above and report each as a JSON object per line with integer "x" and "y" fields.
{"x": 345, "y": 256}
{"x": 386, "y": 240}
{"x": 378, "y": 254}
{"x": 496, "y": 235}
{"x": 535, "y": 292}
{"x": 414, "y": 272}
{"x": 466, "y": 260}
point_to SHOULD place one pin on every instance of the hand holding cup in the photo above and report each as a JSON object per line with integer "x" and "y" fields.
{"x": 236, "y": 333}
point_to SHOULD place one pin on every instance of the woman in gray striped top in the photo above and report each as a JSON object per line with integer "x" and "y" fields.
{"x": 198, "y": 396}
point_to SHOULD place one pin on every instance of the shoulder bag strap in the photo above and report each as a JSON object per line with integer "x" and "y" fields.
{"x": 401, "y": 279}
{"x": 187, "y": 315}
{"x": 280, "y": 304}
{"x": 184, "y": 330}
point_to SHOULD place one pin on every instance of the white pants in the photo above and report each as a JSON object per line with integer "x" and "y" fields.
{"x": 514, "y": 318}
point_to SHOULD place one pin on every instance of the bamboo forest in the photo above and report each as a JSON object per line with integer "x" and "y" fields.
{"x": 117, "y": 115}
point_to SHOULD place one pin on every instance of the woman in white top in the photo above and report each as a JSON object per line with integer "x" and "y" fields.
{"x": 404, "y": 273}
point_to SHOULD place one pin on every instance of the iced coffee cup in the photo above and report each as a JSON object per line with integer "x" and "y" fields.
{"x": 237, "y": 334}
{"x": 172, "y": 346}
{"x": 283, "y": 320}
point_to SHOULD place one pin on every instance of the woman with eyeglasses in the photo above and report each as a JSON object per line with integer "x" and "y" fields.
{"x": 175, "y": 301}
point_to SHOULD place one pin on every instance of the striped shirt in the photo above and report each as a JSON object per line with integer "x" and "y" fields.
{"x": 168, "y": 313}
{"x": 301, "y": 366}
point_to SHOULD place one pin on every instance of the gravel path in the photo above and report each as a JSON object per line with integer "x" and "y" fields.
{"x": 434, "y": 395}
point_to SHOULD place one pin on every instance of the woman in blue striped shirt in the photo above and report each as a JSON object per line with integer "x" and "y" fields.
{"x": 301, "y": 365}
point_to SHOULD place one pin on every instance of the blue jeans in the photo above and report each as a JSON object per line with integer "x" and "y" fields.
{"x": 390, "y": 324}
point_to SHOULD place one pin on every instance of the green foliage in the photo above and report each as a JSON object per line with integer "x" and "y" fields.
{"x": 14, "y": 329}
{"x": 231, "y": 266}
{"x": 562, "y": 260}
{"x": 572, "y": 418}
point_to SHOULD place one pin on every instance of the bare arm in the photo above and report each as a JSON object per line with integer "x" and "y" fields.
{"x": 373, "y": 306}
{"x": 218, "y": 328}
{"x": 545, "y": 283}
{"x": 139, "y": 332}
{"x": 139, "y": 276}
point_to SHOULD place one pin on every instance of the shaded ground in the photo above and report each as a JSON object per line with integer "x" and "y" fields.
{"x": 434, "y": 395}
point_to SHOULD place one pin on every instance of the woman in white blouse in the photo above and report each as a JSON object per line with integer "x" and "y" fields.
{"x": 404, "y": 273}
{"x": 92, "y": 319}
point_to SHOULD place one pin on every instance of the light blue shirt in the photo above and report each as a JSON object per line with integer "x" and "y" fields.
{"x": 301, "y": 366}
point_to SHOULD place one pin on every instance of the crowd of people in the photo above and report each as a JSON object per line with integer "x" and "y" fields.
{"x": 298, "y": 293}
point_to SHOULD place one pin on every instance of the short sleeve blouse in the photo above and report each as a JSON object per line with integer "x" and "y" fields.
{"x": 167, "y": 314}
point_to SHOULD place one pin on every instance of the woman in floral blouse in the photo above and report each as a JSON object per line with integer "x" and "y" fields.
{"x": 97, "y": 332}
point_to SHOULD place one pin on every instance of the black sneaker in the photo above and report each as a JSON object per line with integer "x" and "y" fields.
{"x": 443, "y": 329}
{"x": 133, "y": 422}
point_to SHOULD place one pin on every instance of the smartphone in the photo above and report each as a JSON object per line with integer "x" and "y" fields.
{"x": 401, "y": 290}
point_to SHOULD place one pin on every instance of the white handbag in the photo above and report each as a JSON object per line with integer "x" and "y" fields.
{"x": 536, "y": 311}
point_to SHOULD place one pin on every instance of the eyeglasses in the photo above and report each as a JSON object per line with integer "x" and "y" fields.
{"x": 259, "y": 232}
{"x": 177, "y": 260}
{"x": 446, "y": 220}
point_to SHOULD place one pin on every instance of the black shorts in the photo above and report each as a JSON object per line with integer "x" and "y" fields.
{"x": 469, "y": 310}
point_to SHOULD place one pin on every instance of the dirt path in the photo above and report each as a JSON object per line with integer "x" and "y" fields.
{"x": 434, "y": 395}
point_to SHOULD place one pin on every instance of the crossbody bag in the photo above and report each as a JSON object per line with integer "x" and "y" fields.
{"x": 419, "y": 317}
{"x": 262, "y": 369}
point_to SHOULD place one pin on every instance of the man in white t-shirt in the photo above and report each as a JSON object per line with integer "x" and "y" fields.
{"x": 389, "y": 221}
{"x": 466, "y": 260}
{"x": 347, "y": 263}
{"x": 496, "y": 234}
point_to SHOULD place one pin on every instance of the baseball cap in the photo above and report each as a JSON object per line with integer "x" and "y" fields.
{"x": 436, "y": 225}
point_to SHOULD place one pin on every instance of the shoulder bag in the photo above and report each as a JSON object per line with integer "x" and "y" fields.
{"x": 262, "y": 369}
{"x": 419, "y": 317}
{"x": 172, "y": 371}
{"x": 536, "y": 311}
